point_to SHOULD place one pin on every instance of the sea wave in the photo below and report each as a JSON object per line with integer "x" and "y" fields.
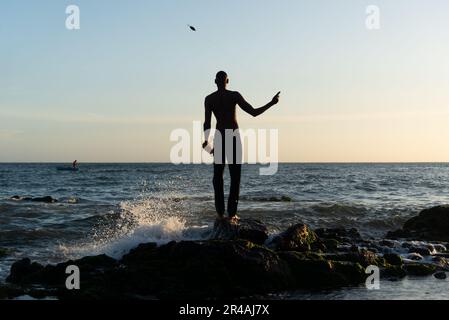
{"x": 29, "y": 235}
{"x": 276, "y": 198}
{"x": 28, "y": 198}
{"x": 154, "y": 219}
{"x": 385, "y": 223}
{"x": 4, "y": 207}
{"x": 340, "y": 209}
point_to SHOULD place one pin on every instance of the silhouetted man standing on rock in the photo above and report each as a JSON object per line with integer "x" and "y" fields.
{"x": 222, "y": 103}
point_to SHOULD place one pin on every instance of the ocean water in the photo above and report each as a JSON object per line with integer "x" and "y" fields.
{"x": 111, "y": 208}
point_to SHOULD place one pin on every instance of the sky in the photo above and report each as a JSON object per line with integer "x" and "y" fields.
{"x": 114, "y": 90}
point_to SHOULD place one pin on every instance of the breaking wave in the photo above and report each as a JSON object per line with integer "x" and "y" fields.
{"x": 159, "y": 220}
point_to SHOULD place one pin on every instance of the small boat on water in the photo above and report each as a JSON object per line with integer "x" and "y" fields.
{"x": 73, "y": 167}
{"x": 66, "y": 169}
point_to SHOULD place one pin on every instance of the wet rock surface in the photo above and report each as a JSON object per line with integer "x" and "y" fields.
{"x": 247, "y": 229}
{"x": 431, "y": 225}
{"x": 46, "y": 199}
{"x": 237, "y": 261}
{"x": 296, "y": 238}
{"x": 440, "y": 275}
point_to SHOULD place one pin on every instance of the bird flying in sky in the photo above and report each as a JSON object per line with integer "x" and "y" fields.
{"x": 192, "y": 28}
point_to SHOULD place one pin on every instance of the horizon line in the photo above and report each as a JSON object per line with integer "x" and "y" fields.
{"x": 280, "y": 162}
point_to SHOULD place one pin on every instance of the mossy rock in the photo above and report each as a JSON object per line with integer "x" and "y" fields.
{"x": 393, "y": 259}
{"x": 143, "y": 253}
{"x": 419, "y": 269}
{"x": 201, "y": 269}
{"x": 393, "y": 271}
{"x": 308, "y": 270}
{"x": 246, "y": 229}
{"x": 339, "y": 234}
{"x": 296, "y": 238}
{"x": 440, "y": 275}
{"x": 352, "y": 272}
{"x": 364, "y": 257}
{"x": 431, "y": 224}
{"x": 331, "y": 244}
{"x": 308, "y": 255}
{"x": 4, "y": 252}
{"x": 313, "y": 271}
{"x": 10, "y": 292}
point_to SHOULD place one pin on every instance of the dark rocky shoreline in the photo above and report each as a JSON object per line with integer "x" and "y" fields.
{"x": 239, "y": 261}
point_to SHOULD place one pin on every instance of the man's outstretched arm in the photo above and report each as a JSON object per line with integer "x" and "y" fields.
{"x": 256, "y": 112}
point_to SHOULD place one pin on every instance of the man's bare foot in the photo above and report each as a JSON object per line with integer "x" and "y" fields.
{"x": 234, "y": 219}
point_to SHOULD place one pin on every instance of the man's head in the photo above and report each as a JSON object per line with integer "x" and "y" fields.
{"x": 221, "y": 79}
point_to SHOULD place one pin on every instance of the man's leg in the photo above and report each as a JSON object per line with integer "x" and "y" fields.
{"x": 218, "y": 188}
{"x": 233, "y": 200}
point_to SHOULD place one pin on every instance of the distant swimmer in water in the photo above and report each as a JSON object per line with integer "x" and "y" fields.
{"x": 74, "y": 164}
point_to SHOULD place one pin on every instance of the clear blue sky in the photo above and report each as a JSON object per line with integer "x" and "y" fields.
{"x": 114, "y": 90}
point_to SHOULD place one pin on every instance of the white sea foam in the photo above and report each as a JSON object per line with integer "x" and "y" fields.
{"x": 144, "y": 220}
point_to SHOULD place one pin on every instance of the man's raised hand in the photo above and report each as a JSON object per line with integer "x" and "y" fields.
{"x": 275, "y": 99}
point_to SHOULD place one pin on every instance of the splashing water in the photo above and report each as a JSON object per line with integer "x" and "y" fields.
{"x": 150, "y": 219}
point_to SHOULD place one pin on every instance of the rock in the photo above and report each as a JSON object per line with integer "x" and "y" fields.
{"x": 439, "y": 247}
{"x": 339, "y": 234}
{"x": 4, "y": 252}
{"x": 319, "y": 247}
{"x": 431, "y": 248}
{"x": 352, "y": 273}
{"x": 23, "y": 271}
{"x": 393, "y": 259}
{"x": 198, "y": 269}
{"x": 419, "y": 269}
{"x": 312, "y": 271}
{"x": 144, "y": 253}
{"x": 277, "y": 199}
{"x": 441, "y": 262}
{"x": 393, "y": 272}
{"x": 440, "y": 275}
{"x": 361, "y": 256}
{"x": 420, "y": 250}
{"x": 309, "y": 271}
{"x": 414, "y": 256}
{"x": 331, "y": 244}
{"x": 217, "y": 268}
{"x": 46, "y": 199}
{"x": 398, "y": 234}
{"x": 189, "y": 269}
{"x": 10, "y": 292}
{"x": 372, "y": 249}
{"x": 246, "y": 229}
{"x": 94, "y": 263}
{"x": 431, "y": 224}
{"x": 296, "y": 238}
{"x": 387, "y": 243}
{"x": 406, "y": 245}
{"x": 19, "y": 198}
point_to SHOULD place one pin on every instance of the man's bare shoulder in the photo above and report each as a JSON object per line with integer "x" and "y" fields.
{"x": 235, "y": 94}
{"x": 211, "y": 96}
{"x": 218, "y": 95}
